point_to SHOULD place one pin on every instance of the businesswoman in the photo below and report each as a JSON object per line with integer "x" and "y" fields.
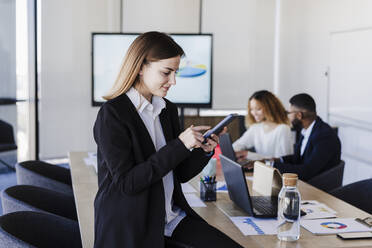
{"x": 269, "y": 132}
{"x": 143, "y": 156}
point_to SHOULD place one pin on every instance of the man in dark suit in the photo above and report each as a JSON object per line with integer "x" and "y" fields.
{"x": 318, "y": 147}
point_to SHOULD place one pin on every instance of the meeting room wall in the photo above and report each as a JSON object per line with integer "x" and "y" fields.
{"x": 66, "y": 116}
{"x": 8, "y": 85}
{"x": 243, "y": 49}
{"x": 243, "y": 33}
{"x": 243, "y": 55}
{"x": 305, "y": 46}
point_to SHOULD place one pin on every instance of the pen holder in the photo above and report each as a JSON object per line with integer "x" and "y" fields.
{"x": 208, "y": 191}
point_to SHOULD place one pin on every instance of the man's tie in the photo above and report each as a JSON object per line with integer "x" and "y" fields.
{"x": 297, "y": 150}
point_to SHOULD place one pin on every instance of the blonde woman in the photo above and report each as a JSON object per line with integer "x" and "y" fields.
{"x": 269, "y": 132}
{"x": 143, "y": 157}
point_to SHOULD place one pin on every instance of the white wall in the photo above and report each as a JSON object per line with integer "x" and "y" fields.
{"x": 243, "y": 39}
{"x": 7, "y": 48}
{"x": 305, "y": 57}
{"x": 305, "y": 42}
{"x": 181, "y": 16}
{"x": 25, "y": 45}
{"x": 243, "y": 49}
{"x": 8, "y": 113}
{"x": 243, "y": 55}
{"x": 66, "y": 115}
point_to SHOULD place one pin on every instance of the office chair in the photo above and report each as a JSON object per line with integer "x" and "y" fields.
{"x": 242, "y": 127}
{"x": 45, "y": 175}
{"x": 34, "y": 229}
{"x": 358, "y": 194}
{"x": 32, "y": 198}
{"x": 7, "y": 144}
{"x": 330, "y": 179}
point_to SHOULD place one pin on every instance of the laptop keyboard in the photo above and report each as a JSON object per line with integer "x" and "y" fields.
{"x": 265, "y": 205}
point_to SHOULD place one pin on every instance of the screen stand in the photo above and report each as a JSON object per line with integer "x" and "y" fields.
{"x": 182, "y": 118}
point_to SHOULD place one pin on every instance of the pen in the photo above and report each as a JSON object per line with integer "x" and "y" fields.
{"x": 362, "y": 221}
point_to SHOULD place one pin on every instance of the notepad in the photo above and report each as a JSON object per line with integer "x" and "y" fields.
{"x": 187, "y": 188}
{"x": 194, "y": 201}
{"x": 316, "y": 210}
{"x": 333, "y": 226}
{"x": 91, "y": 160}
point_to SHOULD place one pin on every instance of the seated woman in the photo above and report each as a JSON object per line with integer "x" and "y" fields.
{"x": 269, "y": 132}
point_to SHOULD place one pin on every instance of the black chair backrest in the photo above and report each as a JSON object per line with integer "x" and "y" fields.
{"x": 358, "y": 194}
{"x": 242, "y": 128}
{"x": 42, "y": 230}
{"x": 40, "y": 198}
{"x": 6, "y": 133}
{"x": 52, "y": 171}
{"x": 330, "y": 179}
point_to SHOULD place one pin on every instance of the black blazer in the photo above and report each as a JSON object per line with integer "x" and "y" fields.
{"x": 322, "y": 152}
{"x": 129, "y": 205}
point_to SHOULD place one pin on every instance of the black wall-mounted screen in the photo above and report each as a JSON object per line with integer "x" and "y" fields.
{"x": 193, "y": 80}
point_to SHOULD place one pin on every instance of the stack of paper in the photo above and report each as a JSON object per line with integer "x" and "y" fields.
{"x": 255, "y": 226}
{"x": 333, "y": 226}
{"x": 316, "y": 210}
{"x": 194, "y": 201}
{"x": 91, "y": 160}
{"x": 187, "y": 188}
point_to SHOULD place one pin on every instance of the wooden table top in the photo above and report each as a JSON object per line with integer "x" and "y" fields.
{"x": 85, "y": 186}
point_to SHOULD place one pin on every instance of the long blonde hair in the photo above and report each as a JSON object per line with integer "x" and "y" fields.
{"x": 273, "y": 108}
{"x": 146, "y": 48}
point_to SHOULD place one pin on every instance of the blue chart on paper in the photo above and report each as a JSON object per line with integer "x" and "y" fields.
{"x": 224, "y": 187}
{"x": 254, "y": 225}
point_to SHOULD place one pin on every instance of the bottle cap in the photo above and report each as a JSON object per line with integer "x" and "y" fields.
{"x": 290, "y": 179}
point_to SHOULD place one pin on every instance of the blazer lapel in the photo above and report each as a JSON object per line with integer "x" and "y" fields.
{"x": 140, "y": 126}
{"x": 166, "y": 125}
{"x": 316, "y": 126}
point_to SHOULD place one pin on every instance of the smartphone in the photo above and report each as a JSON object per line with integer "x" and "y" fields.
{"x": 355, "y": 235}
{"x": 219, "y": 127}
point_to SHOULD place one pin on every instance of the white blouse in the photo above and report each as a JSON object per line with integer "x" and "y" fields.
{"x": 275, "y": 143}
{"x": 149, "y": 113}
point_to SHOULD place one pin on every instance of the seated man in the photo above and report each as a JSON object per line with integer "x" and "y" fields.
{"x": 318, "y": 148}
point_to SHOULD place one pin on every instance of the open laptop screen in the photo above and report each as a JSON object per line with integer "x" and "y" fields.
{"x": 236, "y": 184}
{"x": 226, "y": 146}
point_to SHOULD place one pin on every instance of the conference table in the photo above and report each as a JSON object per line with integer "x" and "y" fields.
{"x": 85, "y": 186}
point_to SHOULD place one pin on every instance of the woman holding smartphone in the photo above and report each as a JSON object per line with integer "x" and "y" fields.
{"x": 143, "y": 156}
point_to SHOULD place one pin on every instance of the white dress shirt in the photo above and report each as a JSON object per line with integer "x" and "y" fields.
{"x": 268, "y": 144}
{"x": 306, "y": 133}
{"x": 149, "y": 113}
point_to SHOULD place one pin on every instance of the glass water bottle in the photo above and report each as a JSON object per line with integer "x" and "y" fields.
{"x": 289, "y": 209}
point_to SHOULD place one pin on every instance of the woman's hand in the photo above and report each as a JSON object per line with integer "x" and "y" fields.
{"x": 210, "y": 144}
{"x": 241, "y": 155}
{"x": 192, "y": 137}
